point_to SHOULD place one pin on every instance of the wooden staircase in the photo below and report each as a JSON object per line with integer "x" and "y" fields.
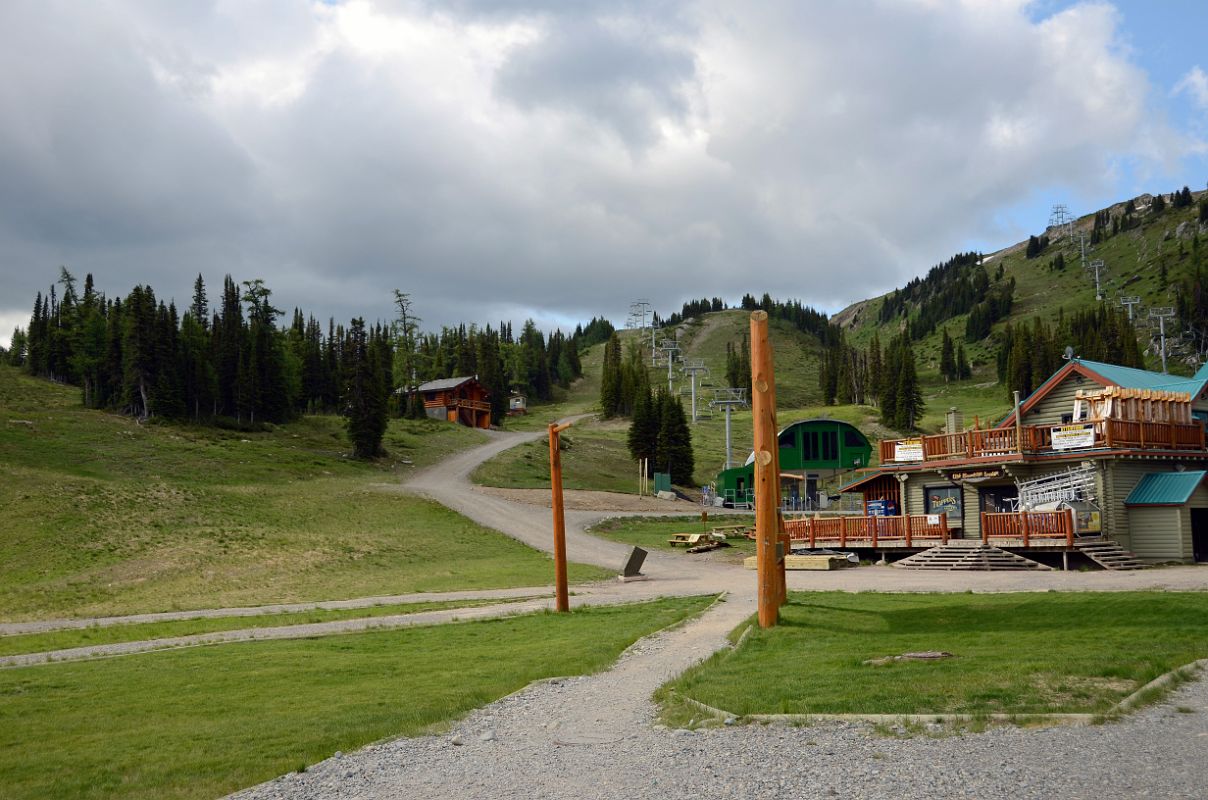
{"x": 1108, "y": 554}
{"x": 969, "y": 558}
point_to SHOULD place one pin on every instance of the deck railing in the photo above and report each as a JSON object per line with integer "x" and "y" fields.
{"x": 1028, "y": 525}
{"x": 1036, "y": 439}
{"x": 900, "y": 531}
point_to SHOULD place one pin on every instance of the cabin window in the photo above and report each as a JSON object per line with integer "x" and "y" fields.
{"x": 1066, "y": 419}
{"x": 830, "y": 445}
{"x": 809, "y": 441}
{"x": 788, "y": 438}
{"x": 852, "y": 439}
{"x": 944, "y": 500}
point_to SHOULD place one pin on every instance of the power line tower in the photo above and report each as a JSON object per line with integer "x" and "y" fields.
{"x": 693, "y": 368}
{"x": 1097, "y": 267}
{"x": 728, "y": 399}
{"x": 1161, "y": 315}
{"x": 1061, "y": 222}
{"x": 1128, "y": 302}
{"x": 638, "y": 311}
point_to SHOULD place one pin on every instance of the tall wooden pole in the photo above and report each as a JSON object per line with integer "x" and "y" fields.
{"x": 555, "y": 479}
{"x": 767, "y": 473}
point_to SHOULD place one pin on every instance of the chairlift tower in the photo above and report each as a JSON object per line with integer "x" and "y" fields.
{"x": 693, "y": 368}
{"x": 638, "y": 311}
{"x": 728, "y": 399}
{"x": 1161, "y": 315}
{"x": 1097, "y": 267}
{"x": 669, "y": 348}
{"x": 1128, "y": 302}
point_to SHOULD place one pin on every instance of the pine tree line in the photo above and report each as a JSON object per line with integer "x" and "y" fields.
{"x": 694, "y": 308}
{"x": 660, "y": 432}
{"x": 1029, "y": 353}
{"x": 234, "y": 364}
{"x": 625, "y": 378}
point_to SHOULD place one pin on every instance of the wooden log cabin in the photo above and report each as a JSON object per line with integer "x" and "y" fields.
{"x": 460, "y": 400}
{"x": 1121, "y": 451}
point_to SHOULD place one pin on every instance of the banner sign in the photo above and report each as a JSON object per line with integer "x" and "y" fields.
{"x": 977, "y": 474}
{"x": 1071, "y": 437}
{"x": 908, "y": 450}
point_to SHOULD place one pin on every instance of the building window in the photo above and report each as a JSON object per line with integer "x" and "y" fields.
{"x": 830, "y": 445}
{"x": 944, "y": 500}
{"x": 787, "y": 438}
{"x": 810, "y": 442}
{"x": 852, "y": 439}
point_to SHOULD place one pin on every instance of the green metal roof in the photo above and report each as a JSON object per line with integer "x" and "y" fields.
{"x": 1130, "y": 378}
{"x": 1165, "y": 488}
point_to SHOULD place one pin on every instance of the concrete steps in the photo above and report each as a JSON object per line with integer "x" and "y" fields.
{"x": 963, "y": 557}
{"x": 1108, "y": 554}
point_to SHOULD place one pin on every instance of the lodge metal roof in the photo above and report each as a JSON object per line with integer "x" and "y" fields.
{"x": 1165, "y": 488}
{"x": 443, "y": 383}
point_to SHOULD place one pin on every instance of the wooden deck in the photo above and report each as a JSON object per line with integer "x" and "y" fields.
{"x": 1027, "y": 529}
{"x": 1038, "y": 440}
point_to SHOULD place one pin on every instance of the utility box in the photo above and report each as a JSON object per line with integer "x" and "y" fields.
{"x": 662, "y": 482}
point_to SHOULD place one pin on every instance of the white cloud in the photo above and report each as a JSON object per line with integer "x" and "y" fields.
{"x": 555, "y": 157}
{"x": 1195, "y": 85}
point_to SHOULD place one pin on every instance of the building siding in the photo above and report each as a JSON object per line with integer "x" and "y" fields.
{"x": 1059, "y": 401}
{"x": 1157, "y": 532}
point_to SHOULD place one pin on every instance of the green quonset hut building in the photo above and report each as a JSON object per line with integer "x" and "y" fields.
{"x": 811, "y": 451}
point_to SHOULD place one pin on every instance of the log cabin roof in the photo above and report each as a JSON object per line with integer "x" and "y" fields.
{"x": 444, "y": 384}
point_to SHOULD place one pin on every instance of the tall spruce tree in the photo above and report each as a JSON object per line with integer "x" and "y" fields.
{"x": 610, "y": 384}
{"x": 364, "y": 394}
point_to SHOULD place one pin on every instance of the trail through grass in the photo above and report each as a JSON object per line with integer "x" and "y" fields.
{"x": 147, "y": 631}
{"x": 202, "y": 722}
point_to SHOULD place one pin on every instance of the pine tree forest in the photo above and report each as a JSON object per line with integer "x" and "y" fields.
{"x": 234, "y": 362}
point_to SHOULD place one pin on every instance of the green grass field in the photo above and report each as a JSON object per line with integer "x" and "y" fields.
{"x": 202, "y": 722}
{"x": 1022, "y": 654}
{"x": 147, "y": 631}
{"x": 104, "y": 516}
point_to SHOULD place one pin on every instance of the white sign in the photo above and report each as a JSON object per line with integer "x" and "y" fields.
{"x": 1071, "y": 437}
{"x": 908, "y": 450}
{"x": 933, "y": 519}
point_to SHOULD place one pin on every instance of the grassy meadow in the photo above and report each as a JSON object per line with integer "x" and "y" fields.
{"x": 202, "y": 722}
{"x": 105, "y": 516}
{"x": 1027, "y": 653}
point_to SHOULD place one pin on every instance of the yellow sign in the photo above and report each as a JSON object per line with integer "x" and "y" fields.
{"x": 908, "y": 450}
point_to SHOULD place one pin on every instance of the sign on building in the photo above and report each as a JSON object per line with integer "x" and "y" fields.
{"x": 1072, "y": 437}
{"x": 908, "y": 450}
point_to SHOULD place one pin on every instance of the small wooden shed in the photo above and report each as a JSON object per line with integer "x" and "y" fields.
{"x": 1168, "y": 516}
{"x": 460, "y": 400}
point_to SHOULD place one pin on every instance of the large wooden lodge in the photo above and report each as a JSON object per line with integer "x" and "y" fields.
{"x": 1100, "y": 455}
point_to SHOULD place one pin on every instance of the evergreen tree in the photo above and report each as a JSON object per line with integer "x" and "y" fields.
{"x": 948, "y": 359}
{"x": 610, "y": 385}
{"x": 674, "y": 443}
{"x": 908, "y": 405}
{"x": 644, "y": 429}
{"x": 964, "y": 370}
{"x": 364, "y": 397}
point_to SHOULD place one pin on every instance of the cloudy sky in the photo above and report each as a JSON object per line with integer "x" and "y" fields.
{"x": 552, "y": 159}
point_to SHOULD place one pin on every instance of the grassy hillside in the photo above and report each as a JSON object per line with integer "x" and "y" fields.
{"x": 105, "y": 516}
{"x": 1133, "y": 259}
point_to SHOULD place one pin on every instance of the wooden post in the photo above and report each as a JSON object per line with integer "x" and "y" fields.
{"x": 1069, "y": 531}
{"x": 843, "y": 531}
{"x": 906, "y": 524}
{"x": 561, "y": 592}
{"x": 985, "y": 530}
{"x": 1023, "y": 526}
{"x": 767, "y": 476}
{"x": 944, "y": 528}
